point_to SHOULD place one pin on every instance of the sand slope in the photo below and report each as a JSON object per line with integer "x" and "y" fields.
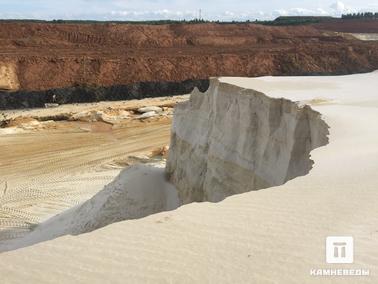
{"x": 275, "y": 235}
{"x": 44, "y": 172}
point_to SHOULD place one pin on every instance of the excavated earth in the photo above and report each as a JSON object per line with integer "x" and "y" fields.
{"x": 232, "y": 140}
{"x": 68, "y": 63}
{"x": 106, "y": 61}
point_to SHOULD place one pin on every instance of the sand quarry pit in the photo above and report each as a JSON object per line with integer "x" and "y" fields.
{"x": 48, "y": 165}
{"x": 226, "y": 141}
{"x": 314, "y": 153}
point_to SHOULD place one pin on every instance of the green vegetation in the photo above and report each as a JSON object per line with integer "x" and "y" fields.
{"x": 299, "y": 20}
{"x": 281, "y": 21}
{"x": 364, "y": 15}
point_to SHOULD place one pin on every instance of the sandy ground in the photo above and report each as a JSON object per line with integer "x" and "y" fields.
{"x": 104, "y": 106}
{"x": 366, "y": 36}
{"x": 276, "y": 235}
{"x": 45, "y": 171}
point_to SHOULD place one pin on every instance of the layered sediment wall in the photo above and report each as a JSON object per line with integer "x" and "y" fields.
{"x": 48, "y": 57}
{"x": 231, "y": 140}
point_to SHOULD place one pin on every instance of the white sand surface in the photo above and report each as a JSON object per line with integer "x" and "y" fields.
{"x": 275, "y": 235}
{"x": 365, "y": 36}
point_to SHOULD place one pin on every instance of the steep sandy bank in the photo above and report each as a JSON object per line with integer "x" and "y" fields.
{"x": 276, "y": 235}
{"x": 231, "y": 140}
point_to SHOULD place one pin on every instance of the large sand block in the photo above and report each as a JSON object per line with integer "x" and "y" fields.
{"x": 232, "y": 140}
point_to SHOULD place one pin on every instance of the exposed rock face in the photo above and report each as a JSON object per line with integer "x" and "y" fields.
{"x": 231, "y": 140}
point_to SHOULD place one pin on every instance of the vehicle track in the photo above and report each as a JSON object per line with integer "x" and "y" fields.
{"x": 43, "y": 173}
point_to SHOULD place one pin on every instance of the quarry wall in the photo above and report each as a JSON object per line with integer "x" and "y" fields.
{"x": 46, "y": 57}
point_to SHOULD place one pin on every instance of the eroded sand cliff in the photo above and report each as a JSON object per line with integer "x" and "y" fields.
{"x": 231, "y": 140}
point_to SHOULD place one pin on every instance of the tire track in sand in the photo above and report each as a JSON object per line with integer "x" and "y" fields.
{"x": 46, "y": 172}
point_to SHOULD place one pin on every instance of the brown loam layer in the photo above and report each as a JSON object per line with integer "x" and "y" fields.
{"x": 42, "y": 56}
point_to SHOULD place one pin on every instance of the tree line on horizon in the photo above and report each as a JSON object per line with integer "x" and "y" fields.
{"x": 361, "y": 15}
{"x": 280, "y": 21}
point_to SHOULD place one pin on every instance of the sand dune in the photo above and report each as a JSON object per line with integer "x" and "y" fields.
{"x": 138, "y": 191}
{"x": 275, "y": 235}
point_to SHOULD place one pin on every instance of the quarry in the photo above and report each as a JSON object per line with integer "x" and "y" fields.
{"x": 279, "y": 138}
{"x": 186, "y": 153}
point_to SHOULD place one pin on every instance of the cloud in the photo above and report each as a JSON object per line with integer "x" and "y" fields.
{"x": 153, "y": 15}
{"x": 339, "y": 8}
{"x": 301, "y": 12}
{"x": 177, "y": 9}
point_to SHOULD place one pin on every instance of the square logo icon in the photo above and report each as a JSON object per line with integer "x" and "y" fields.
{"x": 340, "y": 249}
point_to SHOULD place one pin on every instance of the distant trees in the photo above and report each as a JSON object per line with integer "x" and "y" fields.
{"x": 298, "y": 20}
{"x": 361, "y": 15}
{"x": 280, "y": 21}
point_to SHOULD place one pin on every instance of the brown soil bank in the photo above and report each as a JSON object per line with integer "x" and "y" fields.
{"x": 44, "y": 56}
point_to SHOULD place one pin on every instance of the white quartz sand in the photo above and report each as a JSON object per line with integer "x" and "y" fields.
{"x": 275, "y": 235}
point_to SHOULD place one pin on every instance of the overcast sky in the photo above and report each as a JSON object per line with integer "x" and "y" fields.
{"x": 177, "y": 9}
